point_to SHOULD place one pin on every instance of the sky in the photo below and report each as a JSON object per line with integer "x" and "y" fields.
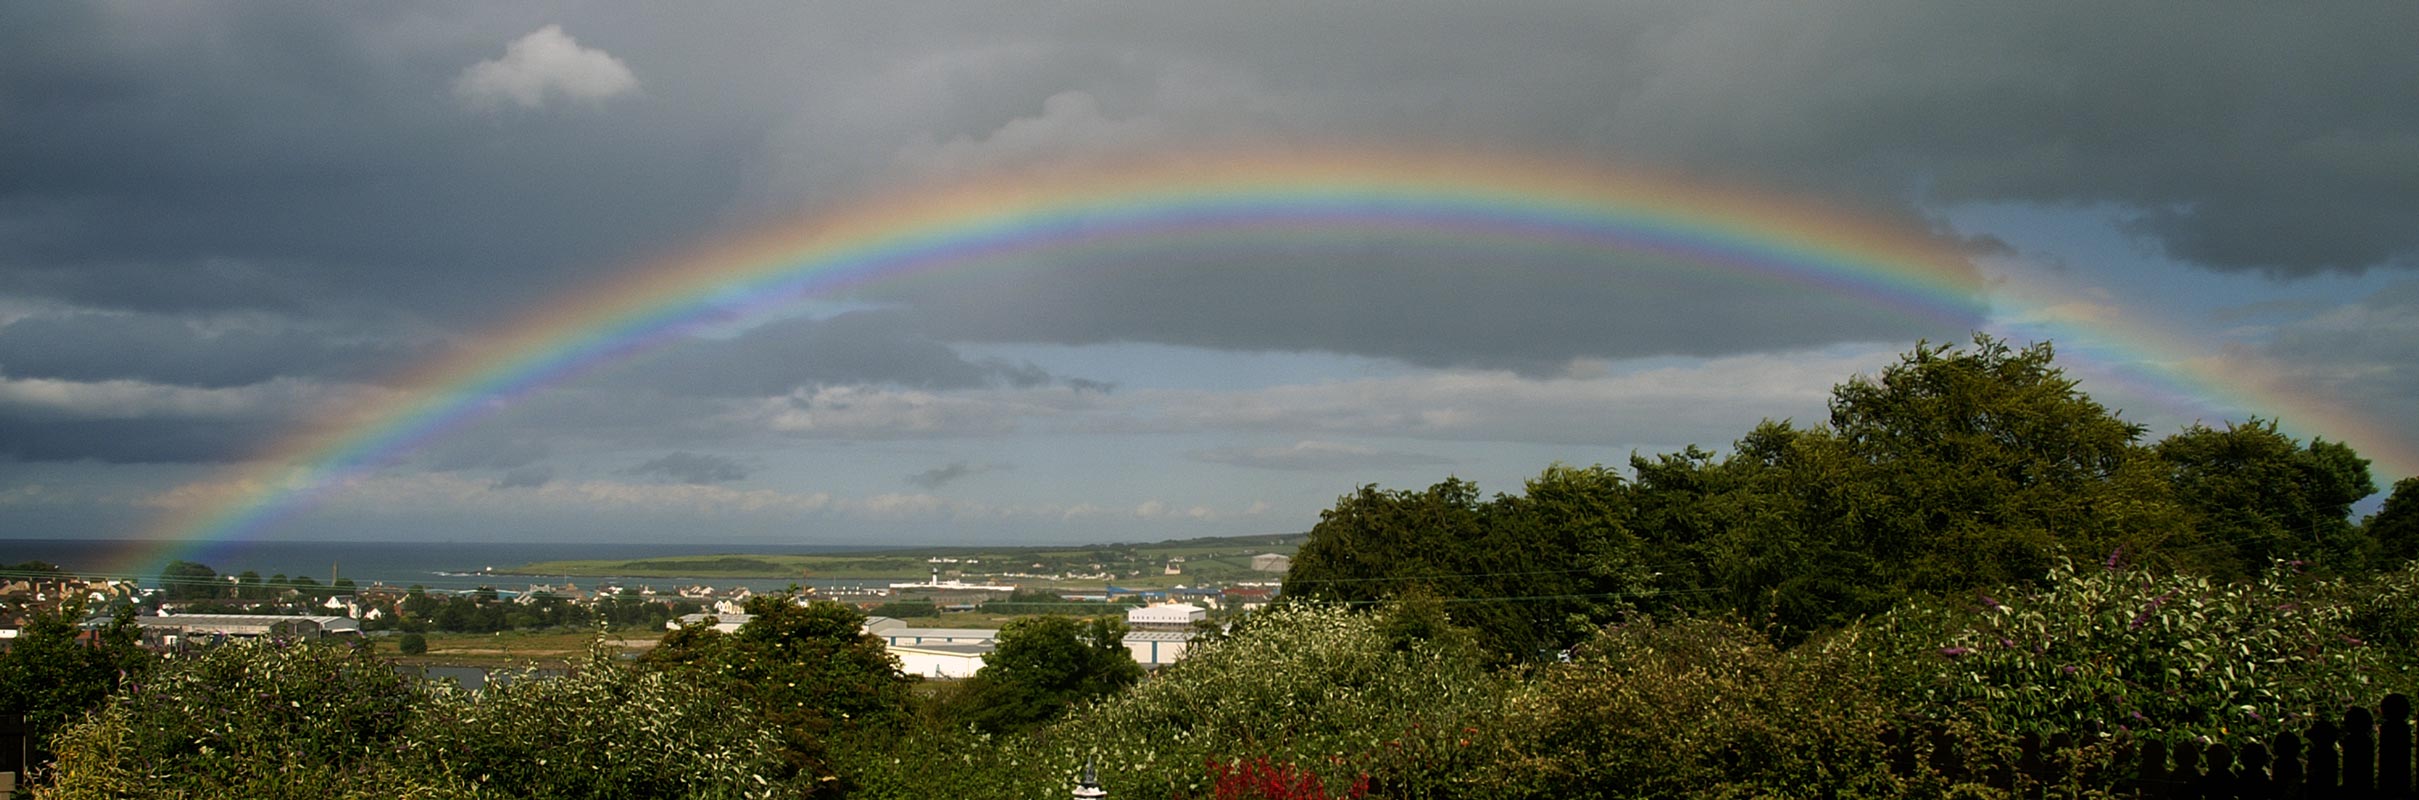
{"x": 223, "y": 223}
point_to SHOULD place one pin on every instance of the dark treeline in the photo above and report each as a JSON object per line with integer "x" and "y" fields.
{"x": 1955, "y": 469}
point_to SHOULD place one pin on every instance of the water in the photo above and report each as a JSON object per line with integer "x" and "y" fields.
{"x": 450, "y": 566}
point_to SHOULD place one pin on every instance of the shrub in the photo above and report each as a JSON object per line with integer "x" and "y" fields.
{"x": 260, "y": 719}
{"x": 2104, "y": 650}
{"x": 1697, "y": 708}
{"x": 413, "y": 644}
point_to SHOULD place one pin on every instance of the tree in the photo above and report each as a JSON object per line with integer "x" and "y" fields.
{"x": 809, "y": 667}
{"x": 413, "y": 644}
{"x": 186, "y": 580}
{"x": 2257, "y": 495}
{"x": 1044, "y": 665}
{"x": 2395, "y": 527}
{"x": 53, "y": 673}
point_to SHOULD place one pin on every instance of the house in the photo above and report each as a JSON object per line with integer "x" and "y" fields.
{"x": 1271, "y": 562}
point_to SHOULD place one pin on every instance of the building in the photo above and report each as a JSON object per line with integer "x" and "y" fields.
{"x": 941, "y": 660}
{"x": 1271, "y": 562}
{"x": 1166, "y": 617}
{"x": 199, "y": 628}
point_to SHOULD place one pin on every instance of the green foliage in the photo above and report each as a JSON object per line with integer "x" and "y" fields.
{"x": 2395, "y": 527}
{"x": 610, "y": 729}
{"x": 2097, "y": 648}
{"x": 1044, "y": 665}
{"x": 269, "y": 719}
{"x": 807, "y": 669}
{"x": 2257, "y": 496}
{"x": 413, "y": 644}
{"x": 185, "y": 580}
{"x": 1312, "y": 686}
{"x": 49, "y": 674}
{"x": 1697, "y": 709}
{"x": 250, "y": 719}
{"x": 1528, "y": 574}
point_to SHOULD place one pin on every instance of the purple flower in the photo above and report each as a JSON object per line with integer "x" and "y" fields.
{"x": 1990, "y": 602}
{"x": 2116, "y": 558}
{"x": 1954, "y": 652}
{"x": 2068, "y": 669}
{"x": 2007, "y": 643}
{"x": 2143, "y": 618}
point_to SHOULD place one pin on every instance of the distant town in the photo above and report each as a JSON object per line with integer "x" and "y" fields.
{"x": 939, "y": 625}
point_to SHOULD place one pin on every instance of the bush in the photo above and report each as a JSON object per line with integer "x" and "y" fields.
{"x": 1301, "y": 686}
{"x": 265, "y": 719}
{"x": 2107, "y": 650}
{"x": 1697, "y": 709}
{"x": 610, "y": 729}
{"x": 413, "y": 644}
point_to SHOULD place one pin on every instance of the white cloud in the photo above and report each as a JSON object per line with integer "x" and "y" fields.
{"x": 130, "y": 399}
{"x": 544, "y": 64}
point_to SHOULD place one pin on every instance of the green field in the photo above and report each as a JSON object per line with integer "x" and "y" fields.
{"x": 1137, "y": 565}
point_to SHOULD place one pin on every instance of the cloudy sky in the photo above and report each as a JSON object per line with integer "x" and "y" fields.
{"x": 221, "y": 222}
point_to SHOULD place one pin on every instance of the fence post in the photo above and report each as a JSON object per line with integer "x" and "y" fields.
{"x": 16, "y": 745}
{"x": 2150, "y": 781}
{"x": 2394, "y": 747}
{"x": 2325, "y": 770}
{"x": 2285, "y": 779}
{"x": 2255, "y": 781}
{"x": 2185, "y": 779}
{"x": 2359, "y": 752}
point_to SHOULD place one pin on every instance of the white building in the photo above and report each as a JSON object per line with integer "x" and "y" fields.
{"x": 1170, "y": 615}
{"x": 1271, "y": 562}
{"x": 941, "y": 660}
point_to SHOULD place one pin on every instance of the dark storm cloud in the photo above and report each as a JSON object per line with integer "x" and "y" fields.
{"x": 316, "y": 160}
{"x": 141, "y": 145}
{"x": 697, "y": 468}
{"x": 153, "y": 440}
{"x": 190, "y": 352}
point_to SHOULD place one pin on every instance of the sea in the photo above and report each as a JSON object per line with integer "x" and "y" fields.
{"x": 439, "y": 566}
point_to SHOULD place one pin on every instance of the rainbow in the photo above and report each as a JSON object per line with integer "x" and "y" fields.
{"x": 1629, "y": 218}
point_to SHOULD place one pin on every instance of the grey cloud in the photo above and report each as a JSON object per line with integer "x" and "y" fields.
{"x": 190, "y": 351}
{"x": 525, "y": 478}
{"x": 1316, "y": 456}
{"x": 855, "y": 347}
{"x": 487, "y": 452}
{"x": 315, "y": 158}
{"x": 951, "y": 473}
{"x": 697, "y": 468}
{"x": 132, "y": 441}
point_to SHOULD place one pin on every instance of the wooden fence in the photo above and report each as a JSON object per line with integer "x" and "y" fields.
{"x": 2365, "y": 756}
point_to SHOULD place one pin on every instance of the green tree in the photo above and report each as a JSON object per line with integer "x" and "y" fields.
{"x": 2395, "y": 527}
{"x": 53, "y": 672}
{"x": 2257, "y": 495}
{"x": 413, "y": 644}
{"x": 808, "y": 667}
{"x": 1045, "y": 664}
{"x": 186, "y": 580}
